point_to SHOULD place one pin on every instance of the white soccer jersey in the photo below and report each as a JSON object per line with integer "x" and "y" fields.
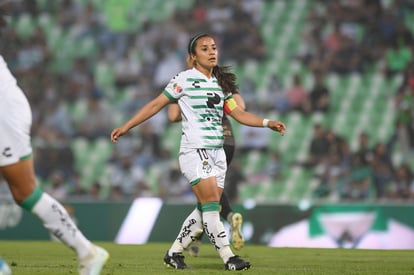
{"x": 202, "y": 102}
{"x": 15, "y": 119}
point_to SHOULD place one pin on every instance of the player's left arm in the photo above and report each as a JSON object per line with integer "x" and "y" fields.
{"x": 231, "y": 108}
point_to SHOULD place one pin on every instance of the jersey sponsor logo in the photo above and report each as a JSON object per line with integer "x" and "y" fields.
{"x": 196, "y": 84}
{"x": 7, "y": 152}
{"x": 213, "y": 99}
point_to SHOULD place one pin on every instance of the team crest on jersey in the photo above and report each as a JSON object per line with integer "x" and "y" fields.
{"x": 177, "y": 88}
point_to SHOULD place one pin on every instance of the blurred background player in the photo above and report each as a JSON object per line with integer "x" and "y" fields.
{"x": 16, "y": 166}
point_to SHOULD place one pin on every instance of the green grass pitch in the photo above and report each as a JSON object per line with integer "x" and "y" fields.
{"x": 46, "y": 257}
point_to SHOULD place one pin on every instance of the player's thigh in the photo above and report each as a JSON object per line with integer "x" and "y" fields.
{"x": 20, "y": 177}
{"x": 207, "y": 190}
{"x": 16, "y": 162}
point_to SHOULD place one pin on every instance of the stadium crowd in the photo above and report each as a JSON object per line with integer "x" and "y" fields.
{"x": 59, "y": 63}
{"x": 346, "y": 37}
{"x": 68, "y": 100}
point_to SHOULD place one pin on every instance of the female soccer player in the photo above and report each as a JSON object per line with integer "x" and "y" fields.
{"x": 16, "y": 166}
{"x": 203, "y": 96}
{"x": 235, "y": 220}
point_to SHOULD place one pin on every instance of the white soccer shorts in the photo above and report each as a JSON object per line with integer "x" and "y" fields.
{"x": 199, "y": 164}
{"x": 15, "y": 125}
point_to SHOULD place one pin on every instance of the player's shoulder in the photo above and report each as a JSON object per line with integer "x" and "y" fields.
{"x": 183, "y": 74}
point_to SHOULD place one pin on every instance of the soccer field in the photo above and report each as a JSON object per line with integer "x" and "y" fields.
{"x": 44, "y": 257}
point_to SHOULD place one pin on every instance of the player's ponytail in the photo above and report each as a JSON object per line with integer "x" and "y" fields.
{"x": 226, "y": 79}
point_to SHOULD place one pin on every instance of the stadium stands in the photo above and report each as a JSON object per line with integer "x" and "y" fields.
{"x": 359, "y": 102}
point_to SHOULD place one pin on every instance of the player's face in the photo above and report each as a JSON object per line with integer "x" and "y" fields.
{"x": 206, "y": 53}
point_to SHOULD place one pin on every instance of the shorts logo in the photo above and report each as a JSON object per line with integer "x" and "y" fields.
{"x": 206, "y": 170}
{"x": 7, "y": 152}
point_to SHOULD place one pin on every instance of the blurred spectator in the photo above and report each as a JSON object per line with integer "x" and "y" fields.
{"x": 274, "y": 166}
{"x": 397, "y": 57}
{"x": 127, "y": 69}
{"x": 97, "y": 121}
{"x": 95, "y": 191}
{"x": 319, "y": 94}
{"x": 382, "y": 169}
{"x": 276, "y": 96}
{"x": 55, "y": 116}
{"x": 297, "y": 98}
{"x": 54, "y": 155}
{"x": 253, "y": 139}
{"x": 404, "y": 123}
{"x": 57, "y": 186}
{"x": 170, "y": 61}
{"x": 331, "y": 171}
{"x": 364, "y": 151}
{"x": 128, "y": 177}
{"x": 33, "y": 53}
{"x": 356, "y": 185}
{"x": 173, "y": 185}
{"x": 400, "y": 187}
{"x": 318, "y": 149}
{"x": 115, "y": 193}
{"x": 248, "y": 89}
{"x": 79, "y": 81}
{"x": 404, "y": 101}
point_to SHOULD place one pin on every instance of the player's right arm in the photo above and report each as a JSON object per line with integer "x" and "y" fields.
{"x": 174, "y": 112}
{"x": 142, "y": 115}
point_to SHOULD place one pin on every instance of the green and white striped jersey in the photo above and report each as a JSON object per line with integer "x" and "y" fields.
{"x": 201, "y": 101}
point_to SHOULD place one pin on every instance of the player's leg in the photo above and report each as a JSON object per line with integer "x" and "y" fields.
{"x": 191, "y": 228}
{"x": 213, "y": 227}
{"x": 21, "y": 180}
{"x": 235, "y": 220}
{"x": 205, "y": 170}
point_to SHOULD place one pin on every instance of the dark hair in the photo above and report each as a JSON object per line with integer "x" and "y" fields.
{"x": 225, "y": 78}
{"x": 193, "y": 41}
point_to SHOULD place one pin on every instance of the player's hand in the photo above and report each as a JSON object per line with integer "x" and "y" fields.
{"x": 118, "y": 132}
{"x": 277, "y": 126}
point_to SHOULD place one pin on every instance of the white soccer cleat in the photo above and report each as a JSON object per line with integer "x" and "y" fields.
{"x": 237, "y": 239}
{"x": 94, "y": 263}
